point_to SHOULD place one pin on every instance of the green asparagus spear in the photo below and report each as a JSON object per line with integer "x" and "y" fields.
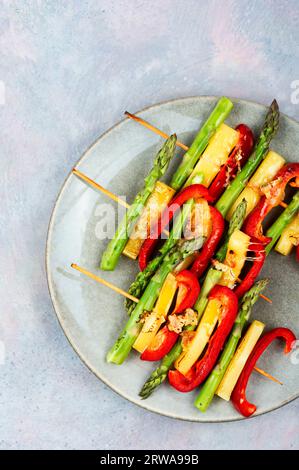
{"x": 282, "y": 221}
{"x": 116, "y": 245}
{"x": 212, "y": 278}
{"x": 218, "y": 115}
{"x": 260, "y": 150}
{"x": 158, "y": 376}
{"x": 123, "y": 345}
{"x": 210, "y": 386}
{"x": 235, "y": 224}
{"x": 143, "y": 277}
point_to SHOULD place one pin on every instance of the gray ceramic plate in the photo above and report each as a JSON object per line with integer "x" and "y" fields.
{"x": 92, "y": 316}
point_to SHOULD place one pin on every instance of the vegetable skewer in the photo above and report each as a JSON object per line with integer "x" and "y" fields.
{"x": 212, "y": 278}
{"x": 116, "y": 245}
{"x": 134, "y": 299}
{"x": 124, "y": 343}
{"x": 218, "y": 115}
{"x": 209, "y": 388}
{"x": 260, "y": 150}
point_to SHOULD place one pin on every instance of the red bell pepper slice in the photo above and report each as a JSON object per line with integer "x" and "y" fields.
{"x": 237, "y": 159}
{"x": 253, "y": 223}
{"x": 297, "y": 253}
{"x": 162, "y": 343}
{"x": 259, "y": 256}
{"x": 194, "y": 191}
{"x": 239, "y": 393}
{"x": 188, "y": 291}
{"x": 207, "y": 252}
{"x": 202, "y": 368}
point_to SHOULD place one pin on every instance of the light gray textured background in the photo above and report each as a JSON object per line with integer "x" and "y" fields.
{"x": 68, "y": 70}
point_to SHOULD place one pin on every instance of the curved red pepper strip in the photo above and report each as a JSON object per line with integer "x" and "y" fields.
{"x": 239, "y": 393}
{"x": 237, "y": 158}
{"x": 203, "y": 367}
{"x": 259, "y": 256}
{"x": 162, "y": 343}
{"x": 201, "y": 262}
{"x": 188, "y": 291}
{"x": 193, "y": 191}
{"x": 253, "y": 223}
{"x": 297, "y": 253}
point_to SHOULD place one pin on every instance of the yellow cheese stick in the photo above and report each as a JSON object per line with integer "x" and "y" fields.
{"x": 263, "y": 175}
{"x": 215, "y": 155}
{"x": 235, "y": 258}
{"x": 157, "y": 316}
{"x": 155, "y": 204}
{"x": 204, "y": 330}
{"x": 289, "y": 237}
{"x": 239, "y": 360}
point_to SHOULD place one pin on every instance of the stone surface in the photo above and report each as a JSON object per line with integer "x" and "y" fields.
{"x": 68, "y": 70}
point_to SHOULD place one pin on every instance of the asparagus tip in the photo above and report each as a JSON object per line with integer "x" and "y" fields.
{"x": 274, "y": 105}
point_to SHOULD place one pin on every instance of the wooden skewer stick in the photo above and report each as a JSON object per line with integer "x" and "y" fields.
{"x": 154, "y": 129}
{"x": 268, "y": 376}
{"x": 105, "y": 191}
{"x": 105, "y": 283}
{"x": 122, "y": 292}
{"x": 266, "y": 298}
{"x": 95, "y": 185}
{"x": 162, "y": 134}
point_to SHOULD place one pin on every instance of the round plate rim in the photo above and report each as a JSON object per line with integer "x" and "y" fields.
{"x": 141, "y": 404}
